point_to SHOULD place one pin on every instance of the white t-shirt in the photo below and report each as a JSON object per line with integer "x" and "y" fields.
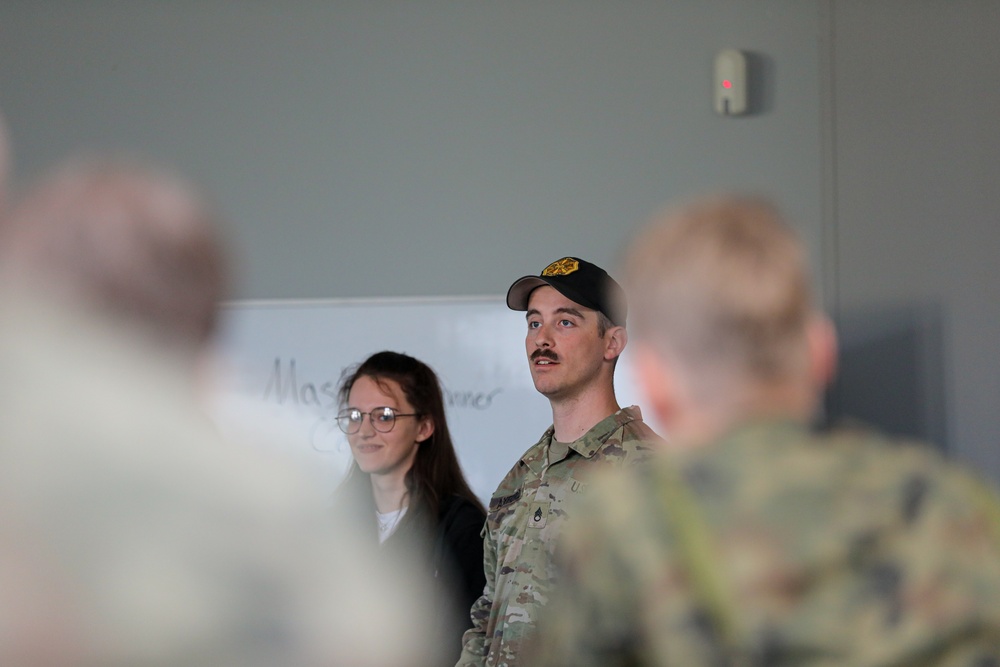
{"x": 388, "y": 522}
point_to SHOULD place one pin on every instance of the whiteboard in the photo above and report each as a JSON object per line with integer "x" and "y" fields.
{"x": 282, "y": 361}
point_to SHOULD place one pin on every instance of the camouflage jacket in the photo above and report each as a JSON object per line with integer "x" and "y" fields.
{"x": 526, "y": 513}
{"x": 776, "y": 546}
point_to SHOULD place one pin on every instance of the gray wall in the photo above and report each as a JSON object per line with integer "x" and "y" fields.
{"x": 420, "y": 148}
{"x": 917, "y": 218}
{"x": 381, "y": 148}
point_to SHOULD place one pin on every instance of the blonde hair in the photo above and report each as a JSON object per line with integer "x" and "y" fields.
{"x": 723, "y": 284}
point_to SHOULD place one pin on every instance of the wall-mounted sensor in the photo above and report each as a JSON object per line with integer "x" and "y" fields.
{"x": 730, "y": 82}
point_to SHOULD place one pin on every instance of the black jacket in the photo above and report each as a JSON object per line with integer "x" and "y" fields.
{"x": 458, "y": 550}
{"x": 452, "y": 547}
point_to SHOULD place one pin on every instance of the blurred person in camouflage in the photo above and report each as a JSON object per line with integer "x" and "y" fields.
{"x": 131, "y": 534}
{"x": 576, "y": 331}
{"x": 751, "y": 539}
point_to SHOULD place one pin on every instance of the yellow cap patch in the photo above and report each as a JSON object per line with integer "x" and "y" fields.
{"x": 561, "y": 267}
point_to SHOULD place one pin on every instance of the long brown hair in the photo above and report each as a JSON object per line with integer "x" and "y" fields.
{"x": 436, "y": 474}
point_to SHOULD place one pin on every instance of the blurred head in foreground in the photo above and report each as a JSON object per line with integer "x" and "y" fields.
{"x": 724, "y": 318}
{"x": 132, "y": 244}
{"x": 130, "y": 532}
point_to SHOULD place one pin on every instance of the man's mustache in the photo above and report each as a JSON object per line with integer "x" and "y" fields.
{"x": 543, "y": 352}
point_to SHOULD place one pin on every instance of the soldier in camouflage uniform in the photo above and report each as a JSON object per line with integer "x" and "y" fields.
{"x": 753, "y": 540}
{"x": 576, "y": 315}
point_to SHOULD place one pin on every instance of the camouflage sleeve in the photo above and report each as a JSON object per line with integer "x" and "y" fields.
{"x": 474, "y": 642}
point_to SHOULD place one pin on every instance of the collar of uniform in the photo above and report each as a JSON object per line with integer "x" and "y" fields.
{"x": 768, "y": 429}
{"x": 745, "y": 439}
{"x": 586, "y": 445}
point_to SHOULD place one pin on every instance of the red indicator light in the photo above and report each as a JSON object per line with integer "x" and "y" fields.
{"x": 727, "y": 84}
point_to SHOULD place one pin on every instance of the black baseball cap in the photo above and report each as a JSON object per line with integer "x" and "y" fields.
{"x": 587, "y": 284}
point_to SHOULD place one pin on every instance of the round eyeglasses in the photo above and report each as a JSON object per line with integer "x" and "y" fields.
{"x": 382, "y": 419}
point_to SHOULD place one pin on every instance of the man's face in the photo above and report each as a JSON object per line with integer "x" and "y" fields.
{"x": 565, "y": 353}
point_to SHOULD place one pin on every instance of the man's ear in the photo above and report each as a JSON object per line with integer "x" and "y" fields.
{"x": 616, "y": 338}
{"x": 658, "y": 382}
{"x": 426, "y": 429}
{"x": 821, "y": 339}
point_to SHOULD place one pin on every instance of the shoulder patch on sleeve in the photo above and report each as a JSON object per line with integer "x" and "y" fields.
{"x": 503, "y": 501}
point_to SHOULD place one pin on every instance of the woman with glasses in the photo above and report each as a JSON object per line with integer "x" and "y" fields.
{"x": 405, "y": 483}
